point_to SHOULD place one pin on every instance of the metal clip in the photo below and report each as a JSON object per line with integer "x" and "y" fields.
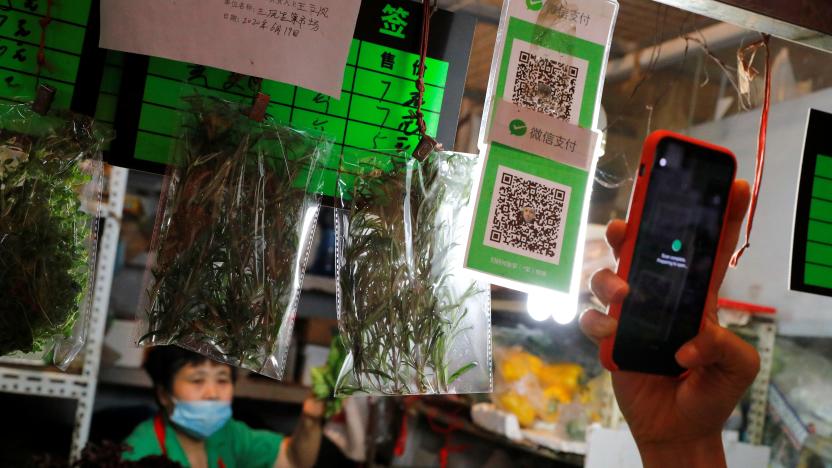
{"x": 44, "y": 97}
{"x": 259, "y": 106}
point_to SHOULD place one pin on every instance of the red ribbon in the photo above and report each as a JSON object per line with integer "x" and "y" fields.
{"x": 761, "y": 155}
{"x": 44, "y": 23}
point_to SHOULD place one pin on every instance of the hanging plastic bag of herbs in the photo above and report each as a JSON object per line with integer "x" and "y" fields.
{"x": 240, "y": 206}
{"x": 412, "y": 320}
{"x": 50, "y": 190}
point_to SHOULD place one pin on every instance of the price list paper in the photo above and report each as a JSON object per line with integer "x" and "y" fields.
{"x": 63, "y": 28}
{"x": 378, "y": 96}
{"x": 286, "y": 40}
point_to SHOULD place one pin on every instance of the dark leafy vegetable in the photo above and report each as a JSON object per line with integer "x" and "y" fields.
{"x": 45, "y": 236}
{"x": 325, "y": 377}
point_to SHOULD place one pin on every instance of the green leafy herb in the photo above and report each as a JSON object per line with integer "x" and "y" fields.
{"x": 233, "y": 238}
{"x": 401, "y": 308}
{"x": 325, "y": 377}
{"x": 45, "y": 236}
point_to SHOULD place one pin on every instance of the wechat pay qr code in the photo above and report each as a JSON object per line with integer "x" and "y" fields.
{"x": 547, "y": 82}
{"x": 527, "y": 215}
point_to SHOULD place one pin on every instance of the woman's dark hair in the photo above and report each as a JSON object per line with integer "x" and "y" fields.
{"x": 163, "y": 362}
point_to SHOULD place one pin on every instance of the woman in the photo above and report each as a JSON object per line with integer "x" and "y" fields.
{"x": 194, "y": 425}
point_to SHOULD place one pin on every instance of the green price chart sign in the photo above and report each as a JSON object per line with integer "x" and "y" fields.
{"x": 374, "y": 112}
{"x": 811, "y": 268}
{"x": 49, "y": 44}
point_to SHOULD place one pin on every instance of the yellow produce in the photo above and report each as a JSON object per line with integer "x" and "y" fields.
{"x": 553, "y": 397}
{"x": 559, "y": 393}
{"x": 518, "y": 364}
{"x": 533, "y": 390}
{"x": 565, "y": 375}
{"x": 519, "y": 406}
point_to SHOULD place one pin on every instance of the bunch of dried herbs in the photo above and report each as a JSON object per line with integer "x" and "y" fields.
{"x": 412, "y": 320}
{"x": 231, "y": 250}
{"x": 46, "y": 240}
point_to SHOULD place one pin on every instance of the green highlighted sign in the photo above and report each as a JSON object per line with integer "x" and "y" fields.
{"x": 534, "y": 5}
{"x": 20, "y": 37}
{"x": 677, "y": 245}
{"x": 811, "y": 268}
{"x": 376, "y": 111}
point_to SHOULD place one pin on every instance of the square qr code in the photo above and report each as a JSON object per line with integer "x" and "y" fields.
{"x": 527, "y": 215}
{"x": 547, "y": 85}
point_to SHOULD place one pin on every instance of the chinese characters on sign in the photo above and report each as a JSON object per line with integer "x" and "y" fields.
{"x": 295, "y": 42}
{"x": 291, "y": 21}
{"x": 20, "y": 36}
{"x": 572, "y": 15}
{"x": 394, "y": 21}
{"x": 551, "y": 139}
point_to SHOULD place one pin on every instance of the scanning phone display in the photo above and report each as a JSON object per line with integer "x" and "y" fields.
{"x": 674, "y": 228}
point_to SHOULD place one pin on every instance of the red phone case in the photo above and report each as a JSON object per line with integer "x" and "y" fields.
{"x": 634, "y": 220}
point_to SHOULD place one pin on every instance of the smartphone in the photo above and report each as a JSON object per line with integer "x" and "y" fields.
{"x": 676, "y": 220}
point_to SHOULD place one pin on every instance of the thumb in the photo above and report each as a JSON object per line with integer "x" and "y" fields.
{"x": 719, "y": 348}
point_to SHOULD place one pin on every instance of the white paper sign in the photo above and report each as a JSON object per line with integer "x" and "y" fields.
{"x": 301, "y": 43}
{"x": 545, "y": 136}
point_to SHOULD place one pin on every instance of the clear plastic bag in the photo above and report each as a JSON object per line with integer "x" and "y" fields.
{"x": 51, "y": 183}
{"x": 412, "y": 320}
{"x": 239, "y": 209}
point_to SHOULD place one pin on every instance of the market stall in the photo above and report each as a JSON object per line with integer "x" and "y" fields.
{"x": 387, "y": 218}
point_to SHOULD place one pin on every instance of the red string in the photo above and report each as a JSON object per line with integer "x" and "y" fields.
{"x": 447, "y": 432}
{"x": 44, "y": 23}
{"x": 761, "y": 156}
{"x": 401, "y": 441}
{"x": 423, "y": 55}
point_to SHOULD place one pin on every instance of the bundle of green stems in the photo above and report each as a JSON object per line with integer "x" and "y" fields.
{"x": 401, "y": 310}
{"x": 228, "y": 266}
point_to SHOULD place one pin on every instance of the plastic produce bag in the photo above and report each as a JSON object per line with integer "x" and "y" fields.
{"x": 412, "y": 320}
{"x": 50, "y": 191}
{"x": 239, "y": 212}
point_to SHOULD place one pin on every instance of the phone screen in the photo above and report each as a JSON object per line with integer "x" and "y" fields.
{"x": 674, "y": 255}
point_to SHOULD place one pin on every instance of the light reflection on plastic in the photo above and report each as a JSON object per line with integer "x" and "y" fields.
{"x": 563, "y": 308}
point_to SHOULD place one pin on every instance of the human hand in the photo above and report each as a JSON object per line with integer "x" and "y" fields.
{"x": 314, "y": 408}
{"x": 679, "y": 421}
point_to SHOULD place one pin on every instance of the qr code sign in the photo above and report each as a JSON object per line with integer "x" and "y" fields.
{"x": 546, "y": 82}
{"x": 527, "y": 215}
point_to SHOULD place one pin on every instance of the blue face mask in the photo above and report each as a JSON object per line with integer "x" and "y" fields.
{"x": 202, "y": 418}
